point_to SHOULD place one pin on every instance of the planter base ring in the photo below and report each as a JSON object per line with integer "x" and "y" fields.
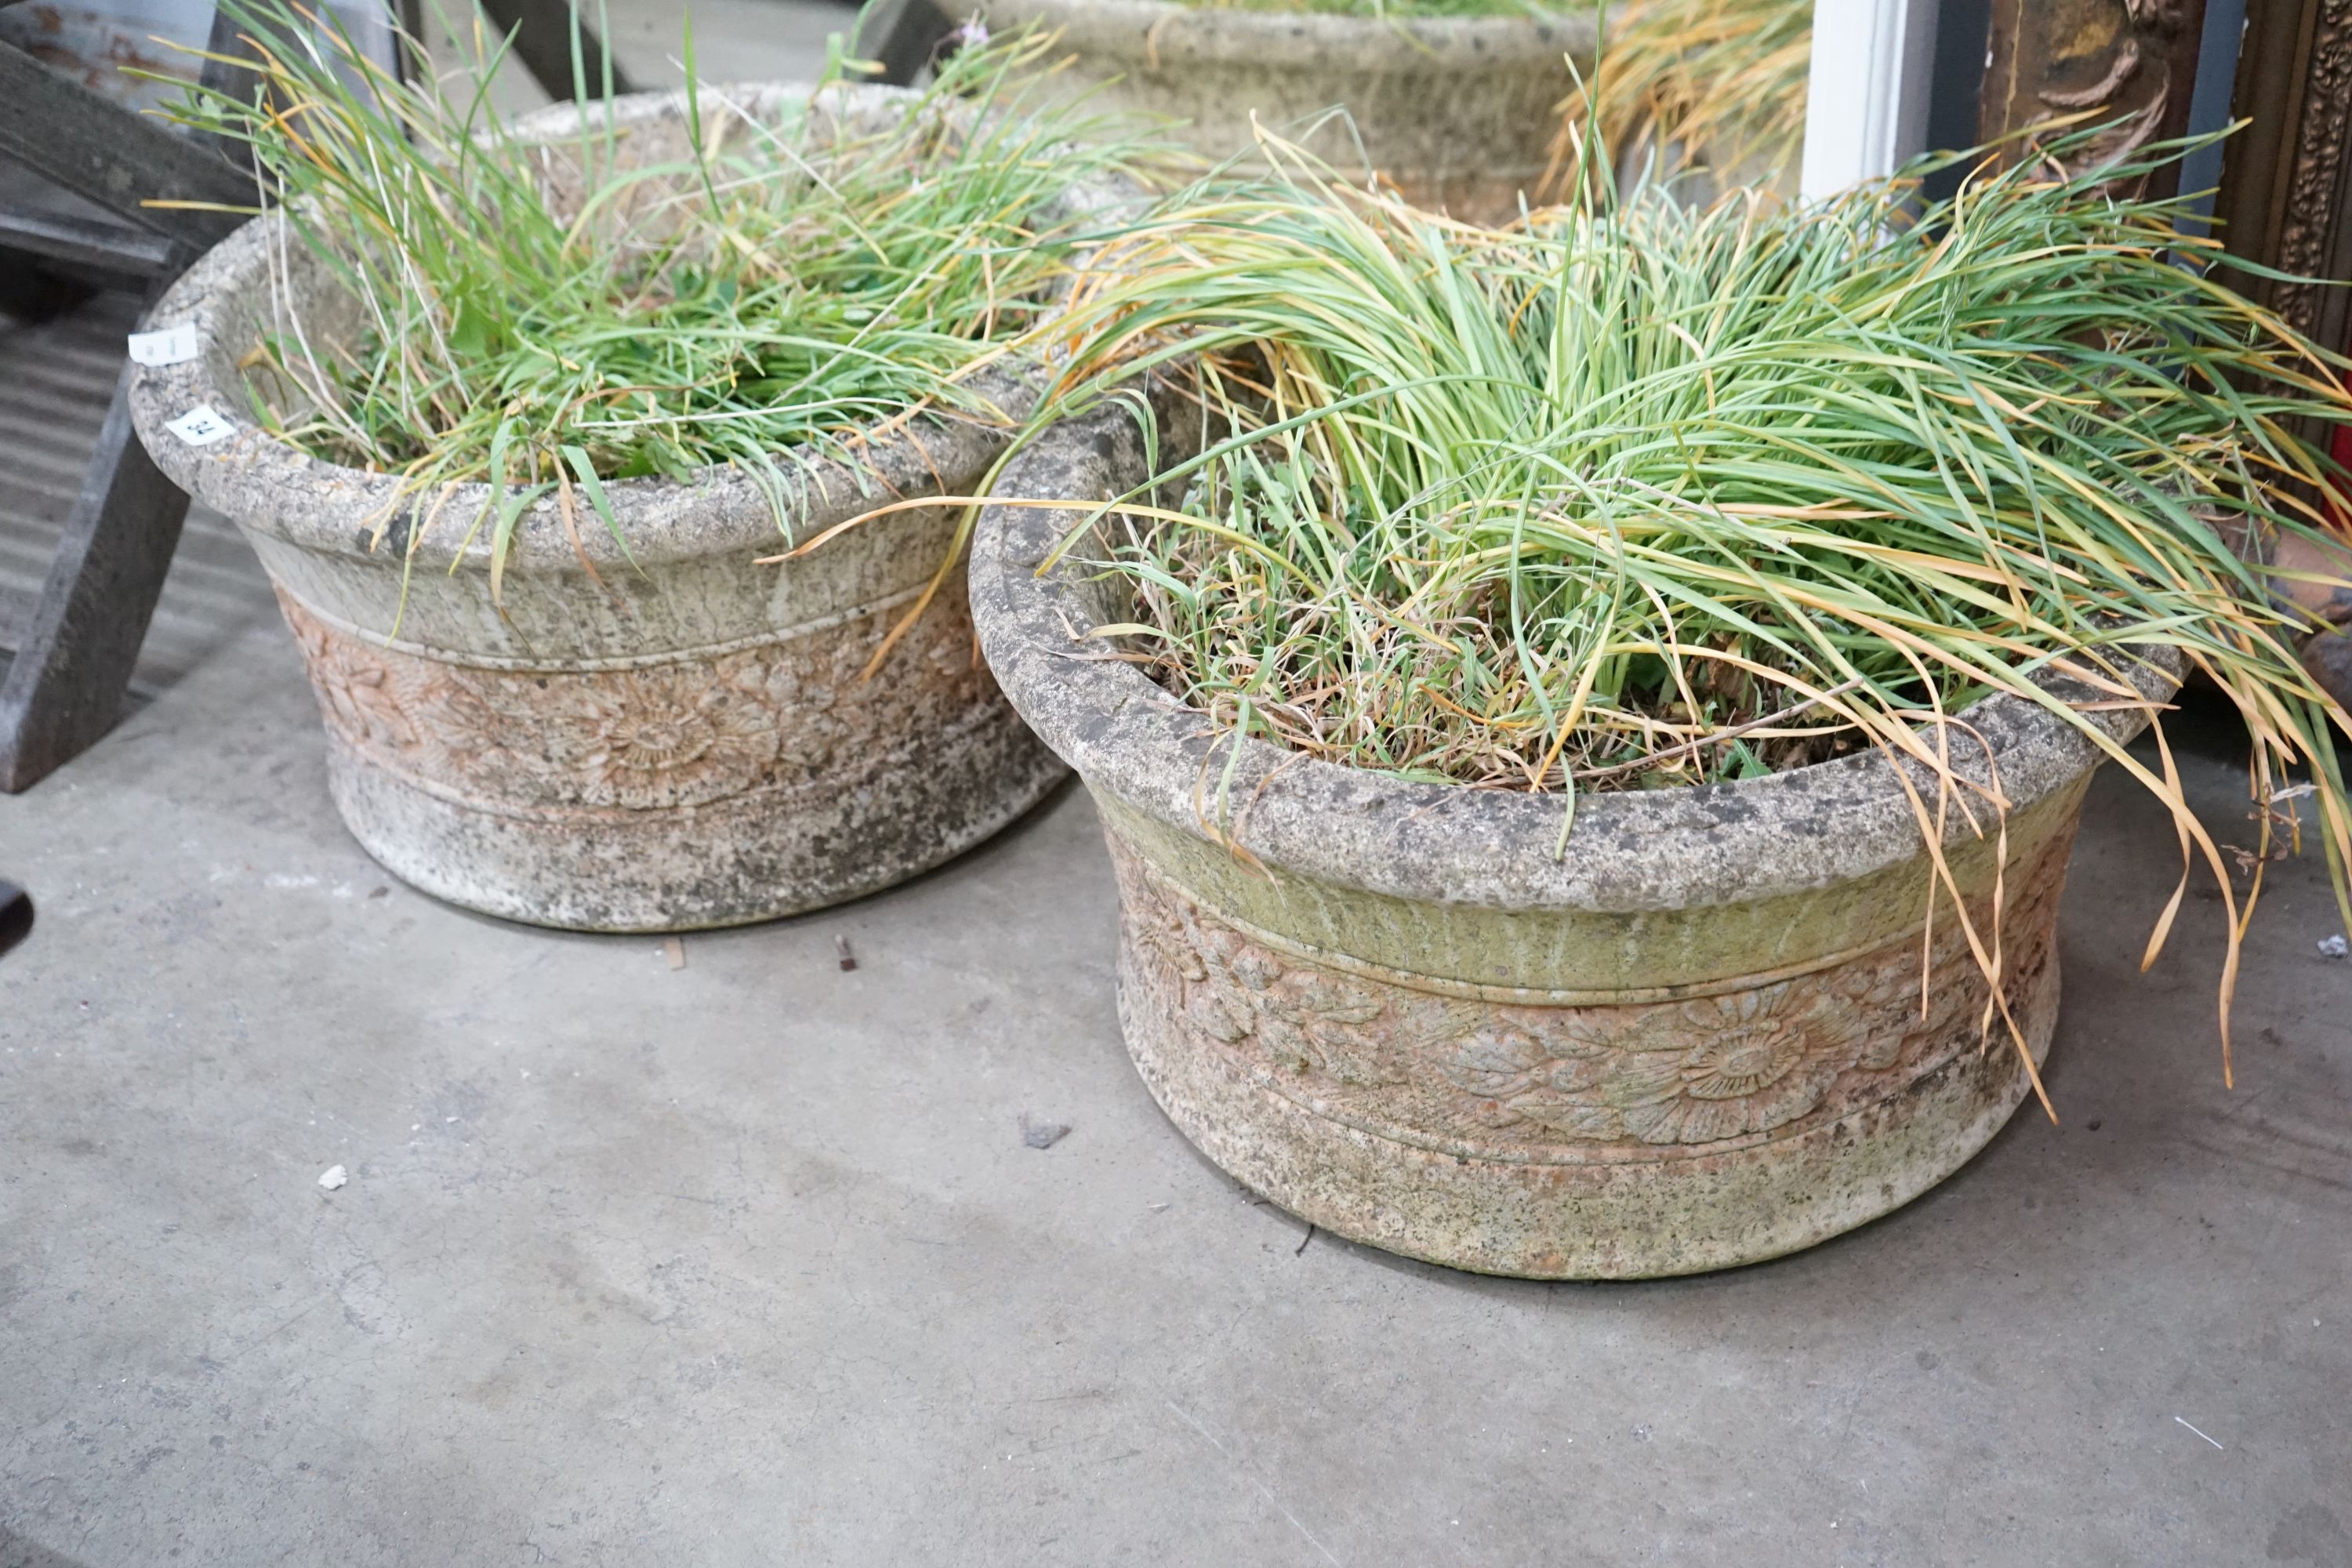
{"x": 1612, "y": 1142}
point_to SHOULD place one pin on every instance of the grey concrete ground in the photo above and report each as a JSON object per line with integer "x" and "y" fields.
{"x": 747, "y": 1262}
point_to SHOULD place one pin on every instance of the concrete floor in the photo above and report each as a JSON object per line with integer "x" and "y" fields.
{"x": 747, "y": 1262}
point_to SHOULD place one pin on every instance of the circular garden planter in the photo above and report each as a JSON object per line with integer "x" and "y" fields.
{"x": 687, "y": 743}
{"x": 1459, "y": 112}
{"x": 1694, "y": 1040}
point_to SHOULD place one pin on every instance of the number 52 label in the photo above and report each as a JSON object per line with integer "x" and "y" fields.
{"x": 200, "y": 426}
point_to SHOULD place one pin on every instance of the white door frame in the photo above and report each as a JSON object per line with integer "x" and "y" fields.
{"x": 1866, "y": 104}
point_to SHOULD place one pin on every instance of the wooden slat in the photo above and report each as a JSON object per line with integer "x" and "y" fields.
{"x": 903, "y": 36}
{"x": 16, "y": 614}
{"x": 542, "y": 43}
{"x": 107, "y": 154}
{"x": 65, "y": 689}
{"x": 111, "y": 247}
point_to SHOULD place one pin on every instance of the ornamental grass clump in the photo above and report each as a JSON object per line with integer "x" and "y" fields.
{"x": 1719, "y": 84}
{"x": 1632, "y": 496}
{"x": 549, "y": 314}
{"x": 1400, "y": 9}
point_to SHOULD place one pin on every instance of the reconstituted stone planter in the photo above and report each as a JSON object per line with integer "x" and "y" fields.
{"x": 688, "y": 745}
{"x": 1460, "y": 112}
{"x": 1695, "y": 1041}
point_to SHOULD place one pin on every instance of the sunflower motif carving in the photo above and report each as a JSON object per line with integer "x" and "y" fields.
{"x": 1701, "y": 1071}
{"x": 662, "y": 737}
{"x": 1686, "y": 1074}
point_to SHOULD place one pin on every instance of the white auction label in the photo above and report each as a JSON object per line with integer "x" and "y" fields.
{"x": 200, "y": 426}
{"x": 172, "y": 345}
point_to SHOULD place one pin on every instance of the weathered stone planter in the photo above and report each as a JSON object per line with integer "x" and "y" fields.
{"x": 1695, "y": 1041}
{"x": 687, "y": 744}
{"x": 1458, "y": 111}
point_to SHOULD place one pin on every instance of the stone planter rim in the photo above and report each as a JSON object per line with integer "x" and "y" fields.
{"x": 1803, "y": 830}
{"x": 1277, "y": 39}
{"x": 274, "y": 488}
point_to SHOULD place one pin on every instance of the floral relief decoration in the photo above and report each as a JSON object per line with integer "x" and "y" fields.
{"x": 1683, "y": 1074}
{"x": 657, "y": 737}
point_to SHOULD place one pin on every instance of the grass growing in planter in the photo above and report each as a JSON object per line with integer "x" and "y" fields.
{"x": 539, "y": 316}
{"x": 1722, "y": 81}
{"x": 1382, "y": 8}
{"x": 1635, "y": 496}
